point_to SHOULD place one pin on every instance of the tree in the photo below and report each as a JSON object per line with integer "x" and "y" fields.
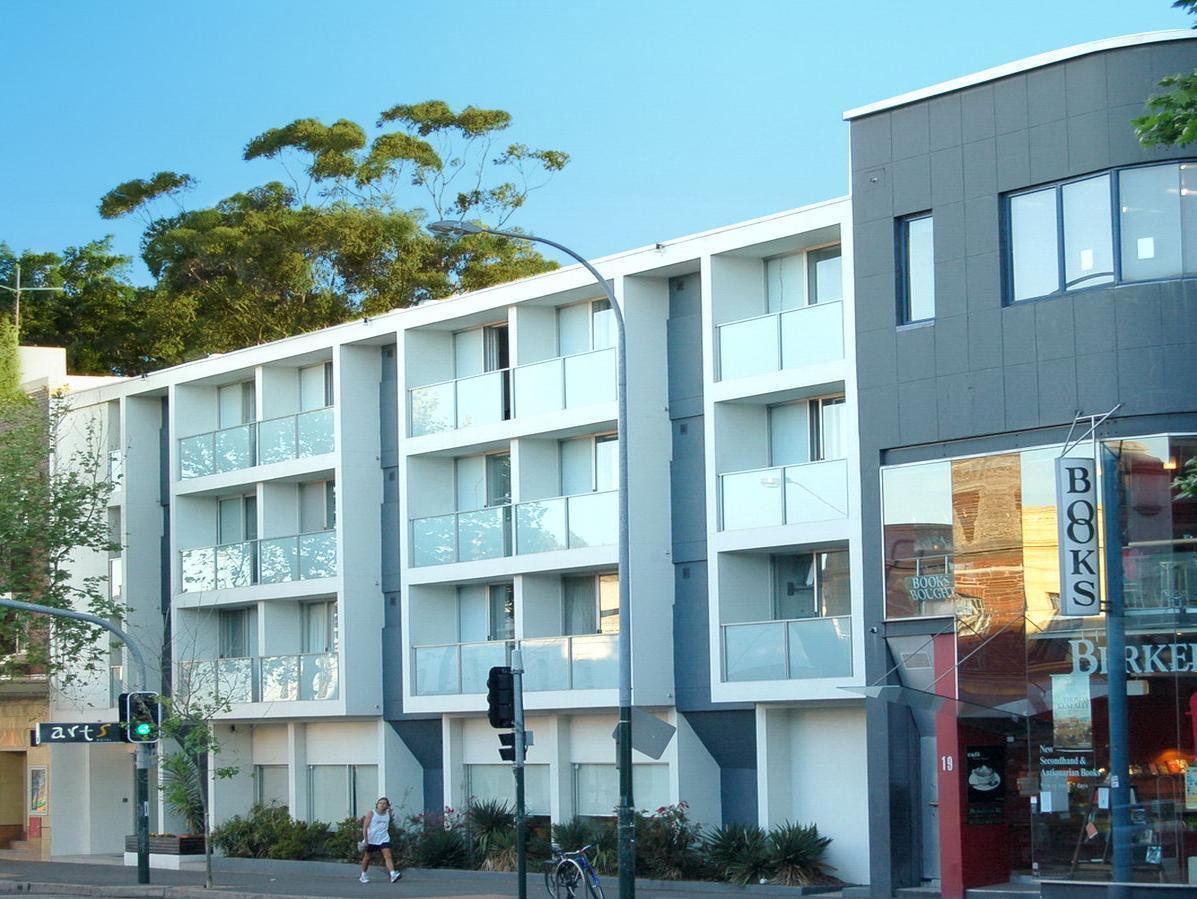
{"x": 106, "y": 325}
{"x": 341, "y": 234}
{"x": 1172, "y": 117}
{"x": 53, "y": 505}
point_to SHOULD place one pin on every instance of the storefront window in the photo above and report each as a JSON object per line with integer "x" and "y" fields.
{"x": 976, "y": 539}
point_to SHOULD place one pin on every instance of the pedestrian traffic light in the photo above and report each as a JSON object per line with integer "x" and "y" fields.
{"x": 141, "y": 717}
{"x": 500, "y": 697}
{"x": 507, "y": 747}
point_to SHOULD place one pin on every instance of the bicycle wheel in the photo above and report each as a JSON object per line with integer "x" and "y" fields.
{"x": 550, "y": 878}
{"x": 568, "y": 878}
{"x": 594, "y": 889}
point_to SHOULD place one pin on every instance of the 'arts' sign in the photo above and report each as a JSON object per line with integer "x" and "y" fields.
{"x": 1076, "y": 509}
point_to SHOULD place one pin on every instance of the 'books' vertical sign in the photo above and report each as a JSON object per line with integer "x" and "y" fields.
{"x": 1076, "y": 511}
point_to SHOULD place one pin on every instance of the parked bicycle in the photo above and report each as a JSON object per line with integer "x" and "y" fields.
{"x": 569, "y": 875}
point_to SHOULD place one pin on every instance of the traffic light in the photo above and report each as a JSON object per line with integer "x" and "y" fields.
{"x": 507, "y": 749}
{"x": 500, "y": 697}
{"x": 141, "y": 717}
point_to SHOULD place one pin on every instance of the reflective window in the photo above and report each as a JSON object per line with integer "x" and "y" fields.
{"x": 917, "y": 264}
{"x": 784, "y": 282}
{"x": 1034, "y": 244}
{"x": 825, "y": 273}
{"x": 1088, "y": 246}
{"x": 1149, "y": 202}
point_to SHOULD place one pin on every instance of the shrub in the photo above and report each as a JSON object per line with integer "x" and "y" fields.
{"x": 796, "y": 853}
{"x": 440, "y": 847}
{"x": 300, "y": 840}
{"x": 599, "y": 832}
{"x": 667, "y": 845}
{"x": 342, "y": 843}
{"x": 739, "y": 853}
{"x": 490, "y": 821}
{"x": 270, "y": 832}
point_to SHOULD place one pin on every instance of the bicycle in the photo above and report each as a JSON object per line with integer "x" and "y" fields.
{"x": 566, "y": 872}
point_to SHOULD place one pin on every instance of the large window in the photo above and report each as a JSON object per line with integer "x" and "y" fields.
{"x": 811, "y": 585}
{"x": 916, "y": 268}
{"x": 341, "y": 791}
{"x": 806, "y": 431}
{"x": 1067, "y": 236}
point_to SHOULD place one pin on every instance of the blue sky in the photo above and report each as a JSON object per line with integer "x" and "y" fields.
{"x": 679, "y": 116}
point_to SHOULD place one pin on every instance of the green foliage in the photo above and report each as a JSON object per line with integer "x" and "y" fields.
{"x": 668, "y": 845}
{"x": 10, "y": 363}
{"x": 441, "y": 847}
{"x": 183, "y": 789}
{"x": 53, "y": 505}
{"x": 270, "y": 832}
{"x": 1171, "y": 120}
{"x": 488, "y": 821}
{"x": 342, "y": 843}
{"x": 739, "y": 853}
{"x": 135, "y": 194}
{"x": 796, "y": 853}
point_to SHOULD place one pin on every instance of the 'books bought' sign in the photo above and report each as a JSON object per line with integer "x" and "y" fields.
{"x": 1076, "y": 511}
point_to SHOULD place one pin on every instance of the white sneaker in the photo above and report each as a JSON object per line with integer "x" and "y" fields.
{"x": 365, "y": 878}
{"x": 395, "y": 875}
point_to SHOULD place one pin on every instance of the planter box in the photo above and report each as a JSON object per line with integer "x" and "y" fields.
{"x": 170, "y": 844}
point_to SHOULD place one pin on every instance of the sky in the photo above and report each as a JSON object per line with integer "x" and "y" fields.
{"x": 678, "y": 116}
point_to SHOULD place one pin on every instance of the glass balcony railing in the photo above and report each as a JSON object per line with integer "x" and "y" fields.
{"x": 304, "y": 676}
{"x": 273, "y": 560}
{"x": 780, "y": 340}
{"x": 793, "y": 494}
{"x": 564, "y": 382}
{"x": 257, "y": 443}
{"x": 1160, "y": 576}
{"x": 567, "y": 522}
{"x": 787, "y": 650}
{"x": 561, "y": 522}
{"x": 578, "y": 662}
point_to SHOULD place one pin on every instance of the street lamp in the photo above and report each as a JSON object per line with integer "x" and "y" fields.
{"x": 16, "y": 292}
{"x": 627, "y": 856}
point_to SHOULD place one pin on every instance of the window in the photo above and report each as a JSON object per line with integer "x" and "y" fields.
{"x": 502, "y": 611}
{"x": 236, "y": 404}
{"x": 485, "y": 612}
{"x": 916, "y": 268}
{"x": 238, "y": 633}
{"x": 811, "y": 585}
{"x": 483, "y": 481}
{"x": 341, "y": 791}
{"x": 589, "y": 464}
{"x": 317, "y": 506}
{"x": 319, "y": 627}
{"x": 271, "y": 782}
{"x": 315, "y": 387}
{"x": 1134, "y": 224}
{"x": 238, "y": 519}
{"x": 495, "y": 782}
{"x": 583, "y": 327}
{"x": 596, "y": 788}
{"x": 806, "y": 431}
{"x": 590, "y": 604}
{"x": 825, "y": 275}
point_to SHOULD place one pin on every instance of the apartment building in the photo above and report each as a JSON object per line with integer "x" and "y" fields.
{"x": 1021, "y": 259}
{"x": 341, "y": 532}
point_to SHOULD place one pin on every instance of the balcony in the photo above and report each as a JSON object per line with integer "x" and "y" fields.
{"x": 257, "y": 443}
{"x": 547, "y": 525}
{"x": 793, "y": 494}
{"x": 787, "y": 650}
{"x": 272, "y": 560}
{"x": 781, "y": 340}
{"x": 289, "y": 678}
{"x": 577, "y": 662}
{"x": 565, "y": 382}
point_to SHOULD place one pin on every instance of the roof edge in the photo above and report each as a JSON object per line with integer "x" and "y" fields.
{"x": 1022, "y": 65}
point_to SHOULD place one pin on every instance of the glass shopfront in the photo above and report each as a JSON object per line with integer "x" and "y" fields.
{"x": 975, "y": 540}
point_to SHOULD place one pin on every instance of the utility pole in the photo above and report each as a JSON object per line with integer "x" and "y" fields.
{"x": 16, "y": 292}
{"x": 142, "y": 794}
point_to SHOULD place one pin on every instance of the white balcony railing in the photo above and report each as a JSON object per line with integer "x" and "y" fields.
{"x": 545, "y": 525}
{"x": 271, "y": 560}
{"x": 257, "y": 443}
{"x": 787, "y": 650}
{"x": 780, "y": 340}
{"x": 564, "y": 382}
{"x": 287, "y": 678}
{"x": 792, "y": 494}
{"x": 574, "y": 662}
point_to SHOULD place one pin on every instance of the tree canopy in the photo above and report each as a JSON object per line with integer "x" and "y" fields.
{"x": 339, "y": 233}
{"x": 1171, "y": 120}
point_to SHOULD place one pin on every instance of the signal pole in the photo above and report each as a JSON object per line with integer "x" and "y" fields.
{"x": 521, "y": 854}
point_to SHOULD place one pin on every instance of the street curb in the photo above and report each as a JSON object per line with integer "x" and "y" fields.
{"x": 17, "y": 888}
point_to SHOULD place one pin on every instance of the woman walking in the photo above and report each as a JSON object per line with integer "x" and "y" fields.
{"x": 376, "y": 837}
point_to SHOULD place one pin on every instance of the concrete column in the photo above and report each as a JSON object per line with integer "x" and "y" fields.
{"x": 297, "y": 770}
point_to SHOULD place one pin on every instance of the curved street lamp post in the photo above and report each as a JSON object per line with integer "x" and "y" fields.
{"x": 626, "y": 833}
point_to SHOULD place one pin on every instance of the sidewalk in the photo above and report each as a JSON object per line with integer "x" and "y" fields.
{"x": 260, "y": 878}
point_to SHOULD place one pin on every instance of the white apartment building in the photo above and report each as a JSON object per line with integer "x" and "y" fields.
{"x": 342, "y": 532}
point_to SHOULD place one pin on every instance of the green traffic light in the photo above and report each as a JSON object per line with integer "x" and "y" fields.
{"x": 142, "y": 730}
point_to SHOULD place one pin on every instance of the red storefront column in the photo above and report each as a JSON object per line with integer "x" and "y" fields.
{"x": 951, "y": 771}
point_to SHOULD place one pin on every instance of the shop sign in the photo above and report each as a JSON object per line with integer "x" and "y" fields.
{"x": 931, "y": 587}
{"x": 1076, "y": 506}
{"x": 986, "y": 784}
{"x": 1090, "y": 658}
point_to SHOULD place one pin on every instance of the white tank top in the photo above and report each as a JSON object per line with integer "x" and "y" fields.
{"x": 378, "y": 829}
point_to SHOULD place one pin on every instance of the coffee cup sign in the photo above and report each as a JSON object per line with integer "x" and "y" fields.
{"x": 1076, "y": 511}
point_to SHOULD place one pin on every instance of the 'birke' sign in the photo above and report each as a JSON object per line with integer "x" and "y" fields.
{"x": 1076, "y": 509}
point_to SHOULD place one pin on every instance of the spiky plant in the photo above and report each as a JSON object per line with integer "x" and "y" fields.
{"x": 796, "y": 853}
{"x": 183, "y": 789}
{"x": 740, "y": 852}
{"x": 488, "y": 820}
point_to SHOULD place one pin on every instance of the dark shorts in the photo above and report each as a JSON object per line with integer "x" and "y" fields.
{"x": 378, "y": 847}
